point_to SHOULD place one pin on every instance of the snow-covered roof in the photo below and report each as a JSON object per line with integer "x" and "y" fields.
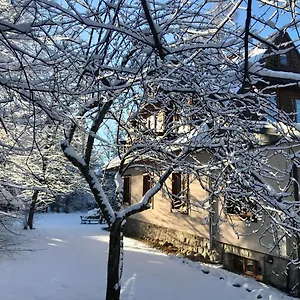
{"x": 257, "y": 55}
{"x": 114, "y": 163}
{"x": 199, "y": 134}
{"x": 265, "y": 72}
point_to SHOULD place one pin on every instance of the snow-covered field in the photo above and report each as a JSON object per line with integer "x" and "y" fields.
{"x": 64, "y": 260}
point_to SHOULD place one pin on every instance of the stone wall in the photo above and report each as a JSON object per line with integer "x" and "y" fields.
{"x": 186, "y": 243}
{"x": 273, "y": 269}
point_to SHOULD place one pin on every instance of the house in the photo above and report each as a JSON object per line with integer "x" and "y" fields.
{"x": 187, "y": 215}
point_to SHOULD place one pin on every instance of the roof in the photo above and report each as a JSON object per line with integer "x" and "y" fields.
{"x": 256, "y": 55}
{"x": 259, "y": 54}
{"x": 112, "y": 164}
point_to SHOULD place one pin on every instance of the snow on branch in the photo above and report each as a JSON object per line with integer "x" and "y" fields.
{"x": 72, "y": 154}
{"x": 91, "y": 179}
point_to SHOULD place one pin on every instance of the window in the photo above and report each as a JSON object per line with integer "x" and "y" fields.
{"x": 148, "y": 122}
{"x": 127, "y": 190}
{"x": 297, "y": 106}
{"x": 283, "y": 59}
{"x": 273, "y": 108}
{"x": 280, "y": 242}
{"x": 236, "y": 263}
{"x": 244, "y": 265}
{"x": 152, "y": 122}
{"x": 160, "y": 122}
{"x": 176, "y": 187}
{"x": 180, "y": 189}
{"x": 147, "y": 185}
{"x": 155, "y": 122}
{"x": 175, "y": 117}
{"x": 282, "y": 246}
{"x": 243, "y": 208}
{"x": 252, "y": 268}
{"x": 296, "y": 177}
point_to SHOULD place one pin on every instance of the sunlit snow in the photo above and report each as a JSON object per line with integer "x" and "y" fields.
{"x": 62, "y": 260}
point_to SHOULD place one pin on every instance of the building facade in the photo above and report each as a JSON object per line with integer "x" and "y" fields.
{"x": 186, "y": 216}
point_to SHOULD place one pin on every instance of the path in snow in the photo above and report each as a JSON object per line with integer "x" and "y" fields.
{"x": 69, "y": 263}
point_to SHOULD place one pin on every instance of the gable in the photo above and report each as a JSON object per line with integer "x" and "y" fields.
{"x": 286, "y": 59}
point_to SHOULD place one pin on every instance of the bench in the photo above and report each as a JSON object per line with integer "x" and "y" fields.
{"x": 91, "y": 219}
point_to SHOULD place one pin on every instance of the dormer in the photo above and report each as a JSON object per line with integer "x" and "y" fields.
{"x": 278, "y": 53}
{"x": 286, "y": 58}
{"x": 275, "y": 65}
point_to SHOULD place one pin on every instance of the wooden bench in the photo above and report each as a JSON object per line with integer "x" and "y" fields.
{"x": 91, "y": 219}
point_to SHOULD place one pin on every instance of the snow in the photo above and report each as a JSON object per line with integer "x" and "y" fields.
{"x": 256, "y": 55}
{"x": 115, "y": 162}
{"x": 119, "y": 182}
{"x": 93, "y": 212}
{"x": 264, "y": 72}
{"x": 62, "y": 259}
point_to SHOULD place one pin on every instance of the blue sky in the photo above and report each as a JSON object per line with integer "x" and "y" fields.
{"x": 265, "y": 12}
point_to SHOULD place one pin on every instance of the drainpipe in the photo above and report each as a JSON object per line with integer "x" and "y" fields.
{"x": 296, "y": 195}
{"x": 211, "y": 219}
{"x": 211, "y": 232}
{"x": 294, "y": 174}
{"x": 298, "y": 268}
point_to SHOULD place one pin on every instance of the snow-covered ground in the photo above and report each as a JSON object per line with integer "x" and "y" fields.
{"x": 63, "y": 260}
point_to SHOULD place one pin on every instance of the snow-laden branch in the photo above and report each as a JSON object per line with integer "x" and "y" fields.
{"x": 91, "y": 179}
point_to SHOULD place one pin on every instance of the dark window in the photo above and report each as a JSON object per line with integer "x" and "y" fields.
{"x": 287, "y": 102}
{"x": 155, "y": 123}
{"x": 236, "y": 263}
{"x": 148, "y": 123}
{"x": 244, "y": 265}
{"x": 175, "y": 117}
{"x": 244, "y": 208}
{"x": 176, "y": 185}
{"x": 283, "y": 59}
{"x": 251, "y": 268}
{"x": 296, "y": 182}
{"x": 127, "y": 190}
{"x": 180, "y": 186}
{"x": 147, "y": 185}
{"x": 297, "y": 107}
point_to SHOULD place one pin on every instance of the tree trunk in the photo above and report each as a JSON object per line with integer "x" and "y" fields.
{"x": 298, "y": 269}
{"x": 57, "y": 202}
{"x": 29, "y": 221}
{"x": 113, "y": 267}
{"x": 66, "y": 205}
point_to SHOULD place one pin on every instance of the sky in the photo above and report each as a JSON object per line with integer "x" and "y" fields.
{"x": 267, "y": 13}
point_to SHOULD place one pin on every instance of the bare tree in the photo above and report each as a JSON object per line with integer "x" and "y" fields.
{"x": 31, "y": 161}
